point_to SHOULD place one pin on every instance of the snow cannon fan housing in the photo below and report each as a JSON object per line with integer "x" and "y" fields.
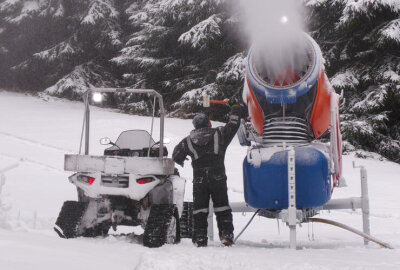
{"x": 295, "y": 93}
{"x": 287, "y": 102}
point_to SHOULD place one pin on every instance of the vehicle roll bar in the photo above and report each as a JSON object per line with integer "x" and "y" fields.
{"x": 152, "y": 92}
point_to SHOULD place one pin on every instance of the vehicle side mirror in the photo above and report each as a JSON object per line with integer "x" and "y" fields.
{"x": 166, "y": 141}
{"x": 105, "y": 141}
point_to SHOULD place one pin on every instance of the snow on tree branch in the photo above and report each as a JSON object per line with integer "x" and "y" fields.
{"x": 195, "y": 96}
{"x": 391, "y": 31}
{"x": 371, "y": 101}
{"x": 391, "y": 76}
{"x": 29, "y": 8}
{"x": 355, "y": 7}
{"x": 314, "y": 2}
{"x": 54, "y": 8}
{"x": 18, "y": 10}
{"x": 134, "y": 54}
{"x": 9, "y": 5}
{"x": 233, "y": 69}
{"x": 146, "y": 34}
{"x": 346, "y": 79}
{"x": 61, "y": 50}
{"x": 100, "y": 9}
{"x": 200, "y": 35}
{"x": 74, "y": 84}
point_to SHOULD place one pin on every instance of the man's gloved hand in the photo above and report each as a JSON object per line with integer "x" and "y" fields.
{"x": 238, "y": 109}
{"x": 233, "y": 101}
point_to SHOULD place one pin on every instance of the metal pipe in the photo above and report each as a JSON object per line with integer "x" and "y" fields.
{"x": 162, "y": 115}
{"x": 210, "y": 221}
{"x": 82, "y": 130}
{"x": 365, "y": 203}
{"x": 346, "y": 203}
{"x": 87, "y": 128}
{"x": 152, "y": 123}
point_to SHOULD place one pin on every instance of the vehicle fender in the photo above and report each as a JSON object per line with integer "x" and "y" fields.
{"x": 162, "y": 193}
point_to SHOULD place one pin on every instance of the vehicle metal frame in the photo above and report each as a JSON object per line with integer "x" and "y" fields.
{"x": 93, "y": 90}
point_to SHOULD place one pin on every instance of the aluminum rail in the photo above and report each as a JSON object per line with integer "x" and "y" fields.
{"x": 334, "y": 204}
{"x": 93, "y": 89}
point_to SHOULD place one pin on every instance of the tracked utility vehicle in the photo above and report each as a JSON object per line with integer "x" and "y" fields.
{"x": 134, "y": 183}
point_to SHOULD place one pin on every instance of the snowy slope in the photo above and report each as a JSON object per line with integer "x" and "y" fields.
{"x": 37, "y": 133}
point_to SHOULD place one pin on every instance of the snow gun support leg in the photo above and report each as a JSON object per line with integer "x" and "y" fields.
{"x": 364, "y": 200}
{"x": 290, "y": 215}
{"x": 355, "y": 202}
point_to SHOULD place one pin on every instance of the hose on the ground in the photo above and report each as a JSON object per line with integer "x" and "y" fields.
{"x": 247, "y": 225}
{"x": 350, "y": 229}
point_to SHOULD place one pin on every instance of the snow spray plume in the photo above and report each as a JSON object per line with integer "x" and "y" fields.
{"x": 278, "y": 43}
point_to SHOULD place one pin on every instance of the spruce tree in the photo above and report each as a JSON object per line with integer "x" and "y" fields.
{"x": 361, "y": 44}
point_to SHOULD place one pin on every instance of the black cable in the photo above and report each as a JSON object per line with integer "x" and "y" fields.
{"x": 245, "y": 227}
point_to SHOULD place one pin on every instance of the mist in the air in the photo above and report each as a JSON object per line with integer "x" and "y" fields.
{"x": 276, "y": 30}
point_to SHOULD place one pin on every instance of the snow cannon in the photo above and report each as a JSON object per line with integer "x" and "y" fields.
{"x": 290, "y": 105}
{"x": 291, "y": 167}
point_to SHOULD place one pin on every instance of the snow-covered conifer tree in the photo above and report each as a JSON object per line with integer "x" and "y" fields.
{"x": 361, "y": 44}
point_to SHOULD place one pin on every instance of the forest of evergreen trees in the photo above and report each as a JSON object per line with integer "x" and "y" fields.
{"x": 183, "y": 48}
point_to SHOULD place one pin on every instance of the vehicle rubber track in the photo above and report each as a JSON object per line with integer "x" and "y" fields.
{"x": 186, "y": 220}
{"x": 157, "y": 227}
{"x": 69, "y": 219}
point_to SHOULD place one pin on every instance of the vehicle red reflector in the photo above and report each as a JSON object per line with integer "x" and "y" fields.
{"x": 91, "y": 180}
{"x": 144, "y": 180}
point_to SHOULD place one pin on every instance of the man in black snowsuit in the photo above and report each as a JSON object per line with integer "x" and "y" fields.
{"x": 206, "y": 146}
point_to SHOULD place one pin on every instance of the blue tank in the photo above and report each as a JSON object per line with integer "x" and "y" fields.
{"x": 266, "y": 187}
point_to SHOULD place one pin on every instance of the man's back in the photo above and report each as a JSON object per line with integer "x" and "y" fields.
{"x": 206, "y": 146}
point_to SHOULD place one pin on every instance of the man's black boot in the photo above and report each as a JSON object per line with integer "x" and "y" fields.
{"x": 200, "y": 237}
{"x": 227, "y": 239}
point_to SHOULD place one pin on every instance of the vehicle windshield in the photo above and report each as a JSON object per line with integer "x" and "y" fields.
{"x": 133, "y": 140}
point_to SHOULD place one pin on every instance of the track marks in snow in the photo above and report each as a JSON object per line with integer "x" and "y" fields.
{"x": 31, "y": 151}
{"x": 31, "y": 161}
{"x": 36, "y": 143}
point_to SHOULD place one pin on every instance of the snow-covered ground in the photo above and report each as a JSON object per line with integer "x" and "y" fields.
{"x": 36, "y": 134}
